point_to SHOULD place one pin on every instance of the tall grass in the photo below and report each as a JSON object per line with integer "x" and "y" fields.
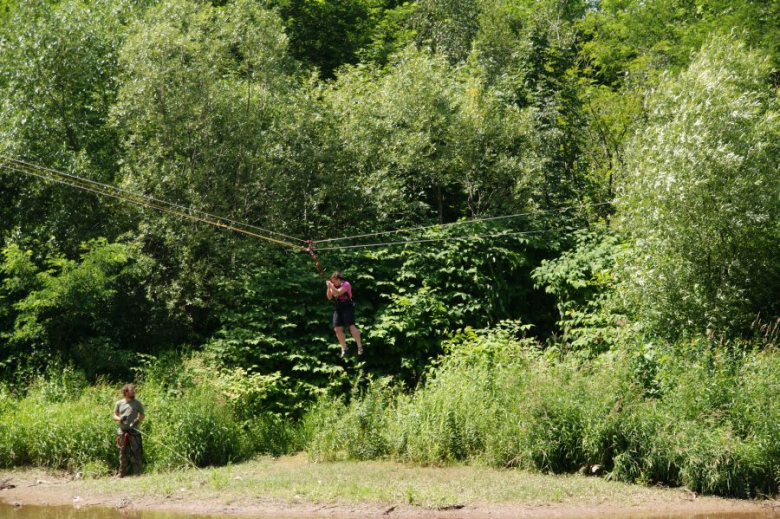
{"x": 333, "y": 430}
{"x": 39, "y": 430}
{"x": 698, "y": 414}
{"x": 701, "y": 414}
{"x": 60, "y": 424}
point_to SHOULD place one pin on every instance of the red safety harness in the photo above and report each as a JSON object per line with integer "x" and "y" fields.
{"x": 121, "y": 443}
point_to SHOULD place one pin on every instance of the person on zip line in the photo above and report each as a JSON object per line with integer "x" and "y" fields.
{"x": 344, "y": 312}
{"x": 129, "y": 412}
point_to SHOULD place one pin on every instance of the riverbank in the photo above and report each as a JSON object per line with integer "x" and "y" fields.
{"x": 295, "y": 487}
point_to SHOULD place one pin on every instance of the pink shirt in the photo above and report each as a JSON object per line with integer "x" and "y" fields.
{"x": 346, "y": 296}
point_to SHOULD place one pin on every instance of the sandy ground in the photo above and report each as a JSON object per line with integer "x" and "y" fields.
{"x": 36, "y": 488}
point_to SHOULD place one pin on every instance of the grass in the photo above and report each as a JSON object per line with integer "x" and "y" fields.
{"x": 700, "y": 415}
{"x": 295, "y": 479}
{"x": 59, "y": 427}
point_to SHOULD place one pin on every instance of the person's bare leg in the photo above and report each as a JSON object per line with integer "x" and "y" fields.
{"x": 342, "y": 339}
{"x": 356, "y": 335}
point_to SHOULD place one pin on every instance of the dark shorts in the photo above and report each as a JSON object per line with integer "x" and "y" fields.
{"x": 344, "y": 314}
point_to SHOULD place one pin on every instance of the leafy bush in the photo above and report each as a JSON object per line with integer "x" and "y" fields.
{"x": 582, "y": 281}
{"x": 358, "y": 430}
{"x": 64, "y": 434}
{"x": 699, "y": 197}
{"x": 85, "y": 312}
{"x": 702, "y": 414}
{"x": 194, "y": 429}
{"x": 64, "y": 424}
{"x": 321, "y": 430}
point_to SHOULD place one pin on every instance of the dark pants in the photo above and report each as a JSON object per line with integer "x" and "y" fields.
{"x": 131, "y": 442}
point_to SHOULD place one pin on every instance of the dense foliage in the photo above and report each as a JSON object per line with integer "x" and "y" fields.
{"x": 700, "y": 196}
{"x": 652, "y": 413}
{"x": 619, "y": 154}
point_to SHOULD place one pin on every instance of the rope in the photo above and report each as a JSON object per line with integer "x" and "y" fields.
{"x": 141, "y": 195}
{"x": 144, "y": 435}
{"x": 456, "y": 238}
{"x": 461, "y": 222}
{"x": 182, "y": 456}
{"x": 135, "y": 198}
{"x": 310, "y": 250}
{"x": 121, "y": 445}
{"x": 99, "y": 188}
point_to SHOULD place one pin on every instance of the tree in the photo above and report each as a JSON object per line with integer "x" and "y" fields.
{"x": 6, "y": 7}
{"x": 448, "y": 27}
{"x": 396, "y": 128}
{"x": 327, "y": 35}
{"x": 92, "y": 312}
{"x": 206, "y": 111}
{"x": 625, "y": 38}
{"x": 58, "y": 66}
{"x": 528, "y": 52}
{"x": 625, "y": 45}
{"x": 700, "y": 198}
{"x": 427, "y": 140}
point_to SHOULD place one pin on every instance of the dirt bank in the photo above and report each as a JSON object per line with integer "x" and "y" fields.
{"x": 294, "y": 488}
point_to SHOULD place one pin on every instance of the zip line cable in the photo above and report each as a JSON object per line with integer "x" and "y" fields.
{"x": 148, "y": 201}
{"x": 454, "y": 238}
{"x": 154, "y": 206}
{"x": 77, "y": 182}
{"x": 461, "y": 222}
{"x": 75, "y": 178}
{"x": 172, "y": 204}
{"x": 182, "y": 456}
{"x": 149, "y": 197}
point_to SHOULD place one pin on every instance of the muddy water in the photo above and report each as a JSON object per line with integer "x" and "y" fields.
{"x": 69, "y": 512}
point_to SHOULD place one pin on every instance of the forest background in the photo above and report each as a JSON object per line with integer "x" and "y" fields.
{"x": 625, "y": 318}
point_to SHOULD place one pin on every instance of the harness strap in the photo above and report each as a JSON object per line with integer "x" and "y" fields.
{"x": 121, "y": 444}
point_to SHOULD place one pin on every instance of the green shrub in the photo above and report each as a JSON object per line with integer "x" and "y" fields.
{"x": 269, "y": 433}
{"x": 333, "y": 430}
{"x": 194, "y": 428}
{"x": 191, "y": 425}
{"x": 63, "y": 435}
{"x": 321, "y": 430}
{"x": 701, "y": 414}
{"x": 697, "y": 197}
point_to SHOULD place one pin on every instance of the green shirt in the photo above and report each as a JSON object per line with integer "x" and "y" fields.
{"x": 129, "y": 412}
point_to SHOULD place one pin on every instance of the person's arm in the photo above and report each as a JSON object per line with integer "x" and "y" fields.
{"x": 329, "y": 292}
{"x": 338, "y": 291}
{"x": 117, "y": 418}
